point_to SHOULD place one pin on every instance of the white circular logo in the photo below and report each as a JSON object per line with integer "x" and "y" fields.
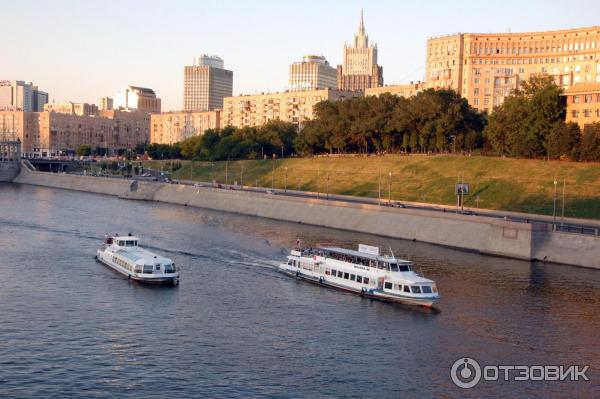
{"x": 465, "y": 373}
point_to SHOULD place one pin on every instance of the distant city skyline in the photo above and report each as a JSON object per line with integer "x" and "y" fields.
{"x": 81, "y": 51}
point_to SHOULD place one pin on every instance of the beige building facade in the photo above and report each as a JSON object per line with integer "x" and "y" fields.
{"x": 50, "y": 133}
{"x": 359, "y": 70}
{"x": 407, "y": 90}
{"x": 313, "y": 72}
{"x": 583, "y": 104}
{"x": 485, "y": 68}
{"x": 81, "y": 109}
{"x": 206, "y": 84}
{"x": 173, "y": 127}
{"x": 293, "y": 106}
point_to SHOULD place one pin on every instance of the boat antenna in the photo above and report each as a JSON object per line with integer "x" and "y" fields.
{"x": 392, "y": 252}
{"x": 298, "y": 242}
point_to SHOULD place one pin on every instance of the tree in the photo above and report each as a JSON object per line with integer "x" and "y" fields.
{"x": 564, "y": 140}
{"x": 521, "y": 126}
{"x": 590, "y": 142}
{"x": 84, "y": 151}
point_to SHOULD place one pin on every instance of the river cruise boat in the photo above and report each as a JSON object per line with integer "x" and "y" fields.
{"x": 122, "y": 254}
{"x": 364, "y": 272}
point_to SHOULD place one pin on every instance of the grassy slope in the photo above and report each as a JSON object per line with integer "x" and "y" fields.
{"x": 508, "y": 184}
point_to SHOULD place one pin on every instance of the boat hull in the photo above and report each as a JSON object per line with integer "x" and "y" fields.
{"x": 372, "y": 294}
{"x": 162, "y": 280}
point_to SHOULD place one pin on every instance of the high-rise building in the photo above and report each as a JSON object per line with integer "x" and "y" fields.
{"x": 81, "y": 109}
{"x": 359, "y": 70}
{"x": 205, "y": 84}
{"x": 313, "y": 72}
{"x": 486, "y": 67}
{"x": 295, "y": 107}
{"x": 173, "y": 127}
{"x": 106, "y": 103}
{"x": 133, "y": 98}
{"x": 16, "y": 95}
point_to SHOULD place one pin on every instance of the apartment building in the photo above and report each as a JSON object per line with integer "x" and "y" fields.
{"x": 81, "y": 109}
{"x": 173, "y": 127}
{"x": 292, "y": 106}
{"x": 406, "y": 90}
{"x": 486, "y": 67}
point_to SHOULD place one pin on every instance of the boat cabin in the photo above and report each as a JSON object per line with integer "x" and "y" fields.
{"x": 388, "y": 263}
{"x": 122, "y": 241}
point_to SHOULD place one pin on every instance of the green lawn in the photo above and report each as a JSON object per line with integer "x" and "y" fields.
{"x": 508, "y": 184}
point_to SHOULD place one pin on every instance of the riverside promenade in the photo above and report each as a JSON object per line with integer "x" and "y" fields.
{"x": 483, "y": 234}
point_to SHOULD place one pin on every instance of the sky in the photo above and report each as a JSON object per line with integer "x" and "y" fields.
{"x": 83, "y": 50}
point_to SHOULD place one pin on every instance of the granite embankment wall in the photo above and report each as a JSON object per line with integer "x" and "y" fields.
{"x": 482, "y": 234}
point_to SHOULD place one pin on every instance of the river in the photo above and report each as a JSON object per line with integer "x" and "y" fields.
{"x": 235, "y": 327}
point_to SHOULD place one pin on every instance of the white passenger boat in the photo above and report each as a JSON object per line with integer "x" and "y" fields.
{"x": 364, "y": 272}
{"x": 123, "y": 254}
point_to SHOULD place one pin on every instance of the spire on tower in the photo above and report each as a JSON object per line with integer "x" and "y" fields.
{"x": 361, "y": 25}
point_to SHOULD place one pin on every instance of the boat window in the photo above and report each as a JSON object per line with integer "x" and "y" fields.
{"x": 333, "y": 272}
{"x": 426, "y": 289}
{"x": 346, "y": 276}
{"x": 393, "y": 267}
{"x": 359, "y": 279}
{"x": 157, "y": 267}
{"x": 404, "y": 268}
{"x": 366, "y": 280}
{"x": 406, "y": 288}
{"x": 148, "y": 269}
{"x": 327, "y": 272}
{"x": 170, "y": 268}
{"x": 399, "y": 287}
{"x": 340, "y": 274}
{"x": 388, "y": 285}
{"x": 289, "y": 261}
{"x": 138, "y": 268}
{"x": 353, "y": 277}
{"x": 416, "y": 289}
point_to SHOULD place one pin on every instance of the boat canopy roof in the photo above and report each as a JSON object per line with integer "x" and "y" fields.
{"x": 364, "y": 255}
{"x": 141, "y": 256}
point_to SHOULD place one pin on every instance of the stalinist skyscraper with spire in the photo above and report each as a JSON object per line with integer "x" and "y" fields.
{"x": 359, "y": 70}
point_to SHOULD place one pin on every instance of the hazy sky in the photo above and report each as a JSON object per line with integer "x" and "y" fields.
{"x": 83, "y": 50}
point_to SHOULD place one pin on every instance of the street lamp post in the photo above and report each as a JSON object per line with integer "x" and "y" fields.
{"x": 389, "y": 187}
{"x": 563, "y": 202}
{"x": 273, "y": 173}
{"x": 285, "y": 180}
{"x": 227, "y": 171}
{"x": 379, "y": 186}
{"x": 327, "y": 187}
{"x": 554, "y": 208}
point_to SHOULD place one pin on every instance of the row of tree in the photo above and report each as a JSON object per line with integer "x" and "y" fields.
{"x": 275, "y": 137}
{"x": 431, "y": 121}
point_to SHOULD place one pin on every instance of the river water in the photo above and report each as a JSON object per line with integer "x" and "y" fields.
{"x": 235, "y": 327}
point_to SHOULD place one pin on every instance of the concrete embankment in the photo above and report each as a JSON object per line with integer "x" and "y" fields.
{"x": 476, "y": 233}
